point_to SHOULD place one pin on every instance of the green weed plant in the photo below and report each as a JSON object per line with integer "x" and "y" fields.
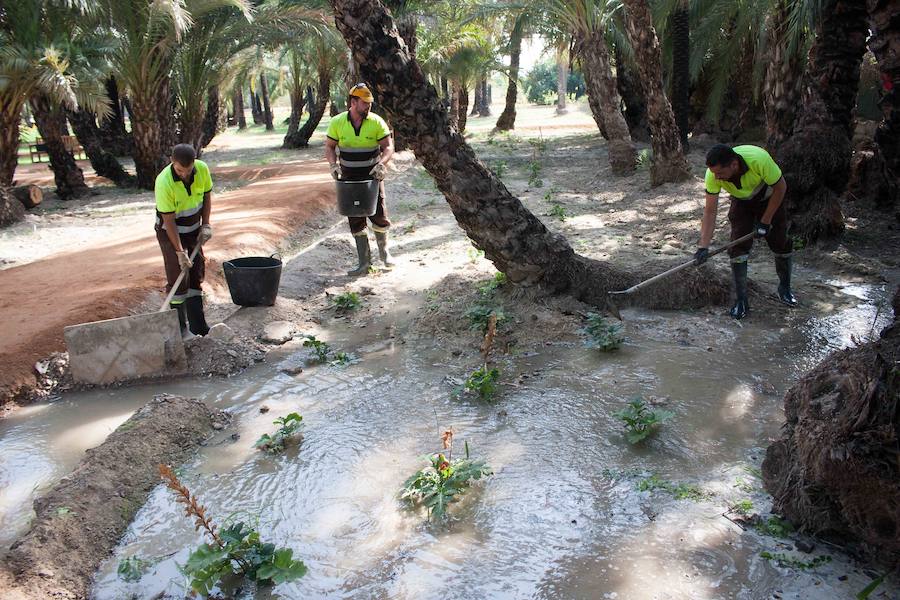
{"x": 288, "y": 426}
{"x": 640, "y": 420}
{"x": 347, "y": 301}
{"x": 602, "y": 334}
{"x": 479, "y": 314}
{"x": 680, "y": 491}
{"x": 442, "y": 482}
{"x": 483, "y": 382}
{"x": 789, "y": 562}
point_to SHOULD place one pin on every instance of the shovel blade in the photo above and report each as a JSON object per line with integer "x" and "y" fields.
{"x": 126, "y": 348}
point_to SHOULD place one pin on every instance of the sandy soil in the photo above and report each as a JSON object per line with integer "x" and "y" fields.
{"x": 106, "y": 264}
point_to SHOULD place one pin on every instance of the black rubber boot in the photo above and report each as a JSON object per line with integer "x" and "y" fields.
{"x": 741, "y": 307}
{"x": 195, "y": 316}
{"x": 364, "y": 254}
{"x": 382, "y": 239}
{"x": 181, "y": 309}
{"x": 783, "y": 266}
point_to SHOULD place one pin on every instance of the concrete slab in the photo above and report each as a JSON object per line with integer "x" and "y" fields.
{"x": 126, "y": 348}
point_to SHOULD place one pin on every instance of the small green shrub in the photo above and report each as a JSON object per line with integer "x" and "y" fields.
{"x": 499, "y": 168}
{"x": 640, "y": 420}
{"x": 320, "y": 348}
{"x": 287, "y": 427}
{"x": 483, "y": 381}
{"x": 774, "y": 526}
{"x": 440, "y": 483}
{"x": 480, "y": 313}
{"x": 789, "y": 562}
{"x": 559, "y": 211}
{"x": 474, "y": 254}
{"x": 131, "y": 569}
{"x": 603, "y": 335}
{"x": 487, "y": 288}
{"x": 644, "y": 159}
{"x": 347, "y": 301}
{"x": 534, "y": 174}
{"x": 235, "y": 550}
{"x": 680, "y": 491}
{"x": 744, "y": 507}
{"x": 341, "y": 359}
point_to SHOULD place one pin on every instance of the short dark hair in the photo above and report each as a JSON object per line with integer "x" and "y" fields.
{"x": 720, "y": 155}
{"x": 184, "y": 154}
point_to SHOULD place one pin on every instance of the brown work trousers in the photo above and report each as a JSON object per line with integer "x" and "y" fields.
{"x": 744, "y": 214}
{"x": 380, "y": 221}
{"x": 190, "y": 285}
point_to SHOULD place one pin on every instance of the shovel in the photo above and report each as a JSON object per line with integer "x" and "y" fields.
{"x": 615, "y": 311}
{"x": 127, "y": 348}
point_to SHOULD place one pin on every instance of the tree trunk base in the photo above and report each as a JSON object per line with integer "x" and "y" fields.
{"x": 835, "y": 471}
{"x": 622, "y": 157}
{"x": 11, "y": 210}
{"x": 506, "y": 121}
{"x": 29, "y": 195}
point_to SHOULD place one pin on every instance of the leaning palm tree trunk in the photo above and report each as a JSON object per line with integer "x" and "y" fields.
{"x": 463, "y": 107}
{"x": 454, "y": 105}
{"x": 668, "y": 162}
{"x": 301, "y": 138}
{"x": 604, "y": 100}
{"x": 885, "y": 45}
{"x": 105, "y": 164}
{"x": 212, "y": 120}
{"x": 298, "y": 100}
{"x": 151, "y": 132}
{"x": 511, "y": 236}
{"x": 507, "y": 119}
{"x": 681, "y": 72}
{"x": 816, "y": 159}
{"x": 51, "y": 123}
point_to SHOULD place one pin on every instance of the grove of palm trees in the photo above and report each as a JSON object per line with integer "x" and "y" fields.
{"x": 480, "y": 397}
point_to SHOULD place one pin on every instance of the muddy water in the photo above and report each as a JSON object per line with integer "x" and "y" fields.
{"x": 560, "y": 518}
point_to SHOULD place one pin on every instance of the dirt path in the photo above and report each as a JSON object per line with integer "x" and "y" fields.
{"x": 112, "y": 276}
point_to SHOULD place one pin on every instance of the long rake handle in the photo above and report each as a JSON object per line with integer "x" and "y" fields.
{"x": 178, "y": 281}
{"x": 665, "y": 274}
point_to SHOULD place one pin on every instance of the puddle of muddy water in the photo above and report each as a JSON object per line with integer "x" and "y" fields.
{"x": 560, "y": 518}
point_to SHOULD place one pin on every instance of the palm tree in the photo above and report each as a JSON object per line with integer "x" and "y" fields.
{"x": 587, "y": 21}
{"x": 681, "y": 68}
{"x": 238, "y": 103}
{"x": 217, "y": 33}
{"x": 507, "y": 119}
{"x": 512, "y": 237}
{"x": 33, "y": 68}
{"x": 668, "y": 162}
{"x": 562, "y": 79}
{"x": 815, "y": 160}
{"x": 328, "y": 55}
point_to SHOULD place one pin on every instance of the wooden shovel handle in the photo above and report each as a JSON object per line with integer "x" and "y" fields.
{"x": 165, "y": 304}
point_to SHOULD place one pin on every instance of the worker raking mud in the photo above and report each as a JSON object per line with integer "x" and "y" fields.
{"x": 183, "y": 206}
{"x": 757, "y": 189}
{"x": 358, "y": 147}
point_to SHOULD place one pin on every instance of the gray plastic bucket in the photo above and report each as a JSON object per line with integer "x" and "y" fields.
{"x": 357, "y": 198}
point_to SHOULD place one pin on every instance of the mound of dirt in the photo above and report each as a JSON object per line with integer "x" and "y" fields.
{"x": 82, "y": 518}
{"x": 836, "y": 470}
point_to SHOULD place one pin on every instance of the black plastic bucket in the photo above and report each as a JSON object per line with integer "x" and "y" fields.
{"x": 253, "y": 280}
{"x": 357, "y": 198}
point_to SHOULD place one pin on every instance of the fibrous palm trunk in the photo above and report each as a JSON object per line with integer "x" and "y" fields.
{"x": 105, "y": 164}
{"x": 454, "y": 105}
{"x": 255, "y": 108}
{"x": 484, "y": 106}
{"x": 11, "y": 210}
{"x": 604, "y": 100}
{"x": 681, "y": 72}
{"x": 629, "y": 86}
{"x": 267, "y": 108}
{"x": 562, "y": 81}
{"x": 511, "y": 236}
{"x": 239, "y": 117}
{"x": 297, "y": 102}
{"x": 9, "y": 142}
{"x": 884, "y": 17}
{"x": 51, "y": 123}
{"x": 476, "y": 100}
{"x": 507, "y": 119}
{"x": 815, "y": 160}
{"x": 212, "y": 120}
{"x": 113, "y": 134}
{"x": 301, "y": 138}
{"x": 150, "y": 126}
{"x": 463, "y": 107}
{"x": 668, "y": 163}
{"x": 781, "y": 87}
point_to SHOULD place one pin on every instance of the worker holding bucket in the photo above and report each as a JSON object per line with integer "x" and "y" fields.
{"x": 358, "y": 146}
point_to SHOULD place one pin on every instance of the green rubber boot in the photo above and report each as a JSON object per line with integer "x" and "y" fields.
{"x": 741, "y": 307}
{"x": 364, "y": 254}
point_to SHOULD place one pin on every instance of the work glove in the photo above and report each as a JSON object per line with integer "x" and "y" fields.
{"x": 700, "y": 256}
{"x": 184, "y": 261}
{"x": 336, "y": 171}
{"x": 205, "y": 234}
{"x": 378, "y": 171}
{"x": 761, "y": 229}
